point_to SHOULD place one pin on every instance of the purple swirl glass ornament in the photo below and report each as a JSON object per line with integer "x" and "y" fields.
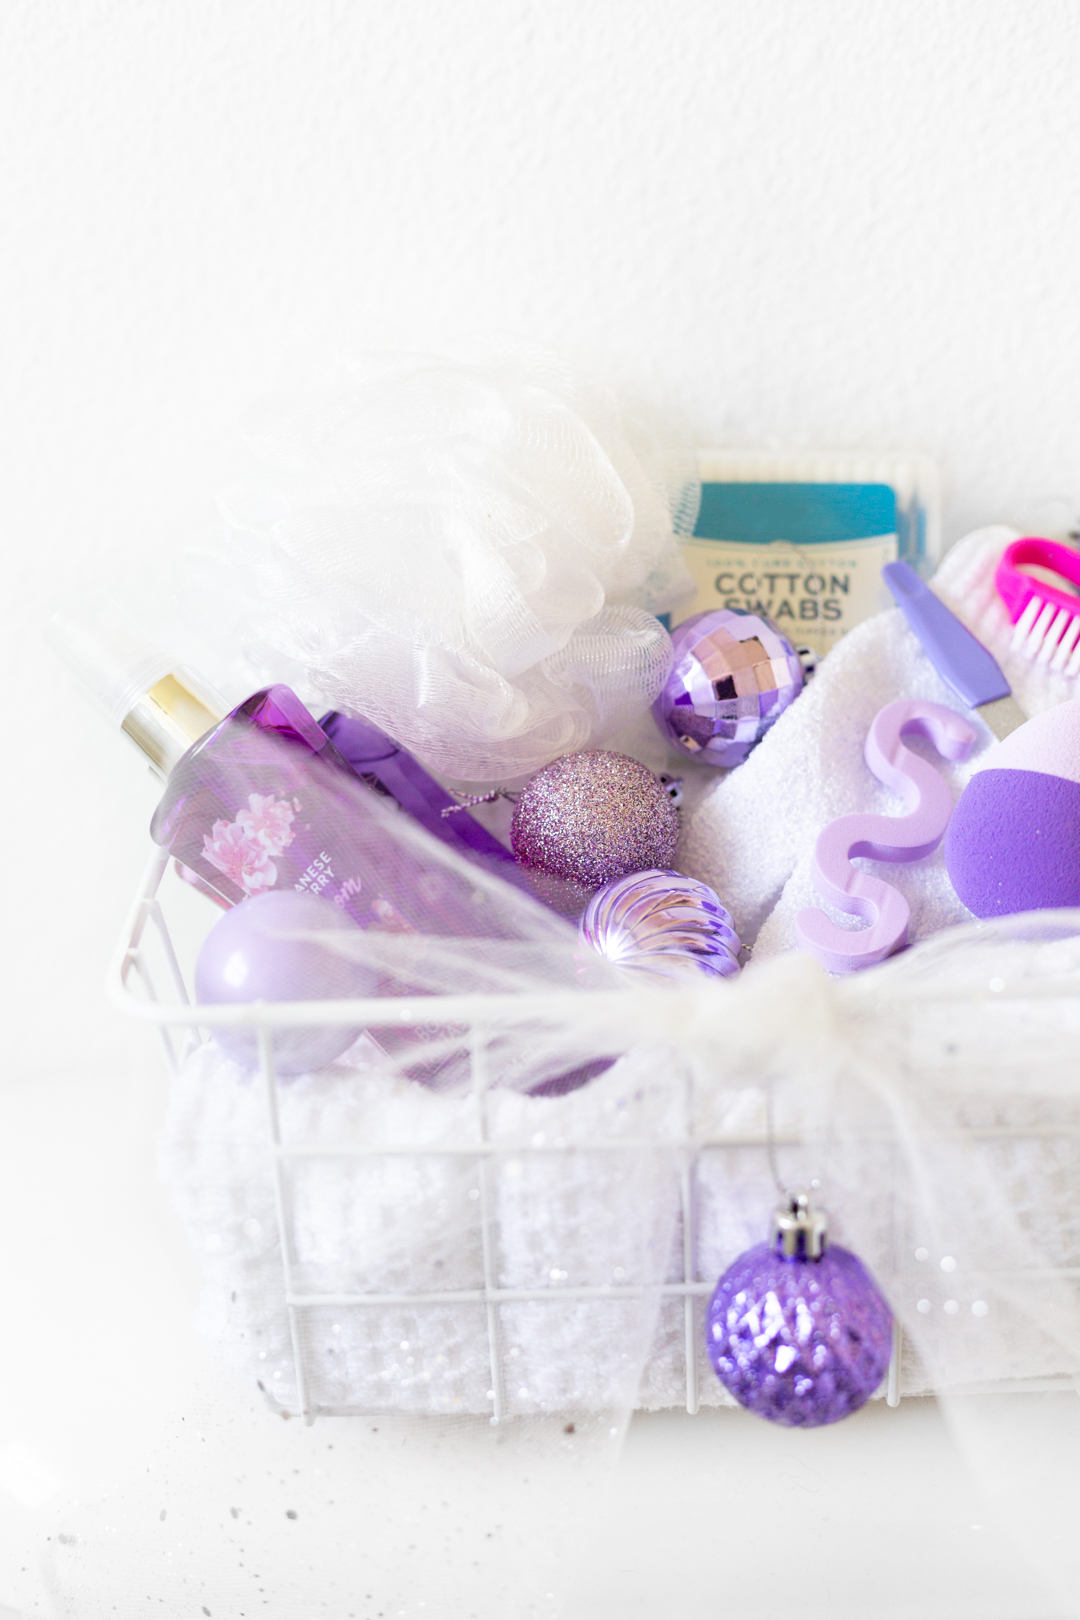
{"x": 797, "y": 1332}
{"x": 732, "y": 677}
{"x": 594, "y": 816}
{"x": 662, "y": 925}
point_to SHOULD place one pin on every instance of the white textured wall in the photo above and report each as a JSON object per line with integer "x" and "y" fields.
{"x": 839, "y": 223}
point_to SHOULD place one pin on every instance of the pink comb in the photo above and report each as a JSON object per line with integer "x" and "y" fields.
{"x": 1047, "y": 620}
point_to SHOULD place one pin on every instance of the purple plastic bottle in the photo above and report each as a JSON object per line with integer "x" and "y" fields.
{"x": 265, "y": 801}
{"x": 390, "y": 770}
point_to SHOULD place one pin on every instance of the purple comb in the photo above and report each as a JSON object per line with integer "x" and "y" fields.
{"x": 962, "y": 661}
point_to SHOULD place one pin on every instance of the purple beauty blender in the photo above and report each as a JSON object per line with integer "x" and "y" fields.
{"x": 1013, "y": 843}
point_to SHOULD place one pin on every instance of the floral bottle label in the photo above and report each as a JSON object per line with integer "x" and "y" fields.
{"x": 247, "y": 850}
{"x": 260, "y": 850}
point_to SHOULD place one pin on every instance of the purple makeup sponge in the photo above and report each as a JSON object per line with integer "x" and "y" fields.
{"x": 1013, "y": 843}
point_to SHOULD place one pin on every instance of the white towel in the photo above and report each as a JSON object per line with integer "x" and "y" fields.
{"x": 411, "y": 1223}
{"x": 752, "y": 835}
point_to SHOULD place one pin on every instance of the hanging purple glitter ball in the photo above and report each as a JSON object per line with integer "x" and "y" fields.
{"x": 594, "y": 816}
{"x": 799, "y": 1340}
{"x": 663, "y": 926}
{"x": 732, "y": 677}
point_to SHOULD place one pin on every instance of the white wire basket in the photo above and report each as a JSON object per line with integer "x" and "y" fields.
{"x": 149, "y": 979}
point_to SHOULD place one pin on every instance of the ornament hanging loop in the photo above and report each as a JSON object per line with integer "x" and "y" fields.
{"x": 466, "y": 801}
{"x": 799, "y": 1231}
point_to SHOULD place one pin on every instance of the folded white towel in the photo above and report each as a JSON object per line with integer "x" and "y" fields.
{"x": 409, "y": 1223}
{"x": 752, "y": 835}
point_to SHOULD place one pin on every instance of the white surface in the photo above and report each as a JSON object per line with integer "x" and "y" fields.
{"x": 839, "y": 224}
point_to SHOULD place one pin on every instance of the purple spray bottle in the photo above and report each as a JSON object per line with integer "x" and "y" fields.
{"x": 260, "y": 798}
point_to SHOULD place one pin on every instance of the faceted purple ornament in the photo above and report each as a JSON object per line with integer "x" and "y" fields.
{"x": 732, "y": 677}
{"x": 799, "y": 1333}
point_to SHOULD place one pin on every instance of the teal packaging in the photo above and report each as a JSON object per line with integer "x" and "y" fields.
{"x": 804, "y": 539}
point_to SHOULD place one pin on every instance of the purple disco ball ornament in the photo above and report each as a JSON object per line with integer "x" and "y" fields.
{"x": 594, "y": 816}
{"x": 661, "y": 925}
{"x": 799, "y": 1333}
{"x": 732, "y": 677}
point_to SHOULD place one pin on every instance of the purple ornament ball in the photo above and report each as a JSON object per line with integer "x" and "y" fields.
{"x": 800, "y": 1342}
{"x": 593, "y": 816}
{"x": 662, "y": 926}
{"x": 732, "y": 676}
{"x": 262, "y": 950}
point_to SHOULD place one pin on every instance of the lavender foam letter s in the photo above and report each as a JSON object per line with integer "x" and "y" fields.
{"x": 883, "y": 838}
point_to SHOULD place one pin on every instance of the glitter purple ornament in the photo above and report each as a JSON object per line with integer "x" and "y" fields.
{"x": 797, "y": 1332}
{"x": 663, "y": 926}
{"x": 594, "y": 816}
{"x": 732, "y": 677}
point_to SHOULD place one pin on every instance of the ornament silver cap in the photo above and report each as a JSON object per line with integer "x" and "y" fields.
{"x": 799, "y": 1231}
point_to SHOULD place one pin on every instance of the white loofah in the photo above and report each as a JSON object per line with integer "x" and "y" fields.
{"x": 468, "y": 553}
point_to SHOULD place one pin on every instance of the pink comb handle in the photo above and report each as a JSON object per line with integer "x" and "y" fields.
{"x": 883, "y": 838}
{"x": 1017, "y": 590}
